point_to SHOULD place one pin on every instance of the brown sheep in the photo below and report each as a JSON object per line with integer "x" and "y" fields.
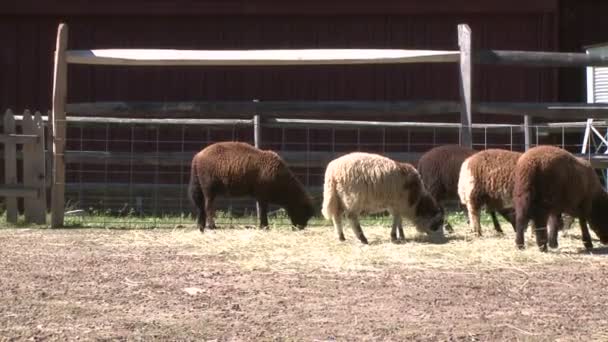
{"x": 440, "y": 168}
{"x": 239, "y": 169}
{"x": 550, "y": 181}
{"x": 486, "y": 179}
{"x": 360, "y": 182}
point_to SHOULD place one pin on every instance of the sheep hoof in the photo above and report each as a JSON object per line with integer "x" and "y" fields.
{"x": 588, "y": 245}
{"x": 265, "y": 227}
{"x": 543, "y": 248}
{"x": 341, "y": 238}
{"x": 363, "y": 241}
{"x": 553, "y": 244}
{"x": 521, "y": 247}
{"x": 201, "y": 228}
{"x": 448, "y": 228}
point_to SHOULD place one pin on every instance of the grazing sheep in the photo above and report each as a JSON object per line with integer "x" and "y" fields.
{"x": 239, "y": 169}
{"x": 550, "y": 181}
{"x": 486, "y": 178}
{"x": 440, "y": 170}
{"x": 369, "y": 183}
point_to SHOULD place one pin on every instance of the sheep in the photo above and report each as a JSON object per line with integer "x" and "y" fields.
{"x": 440, "y": 170}
{"x": 360, "y": 182}
{"x": 550, "y": 181}
{"x": 239, "y": 169}
{"x": 486, "y": 178}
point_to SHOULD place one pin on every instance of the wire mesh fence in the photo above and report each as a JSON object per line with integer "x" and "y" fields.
{"x": 136, "y": 174}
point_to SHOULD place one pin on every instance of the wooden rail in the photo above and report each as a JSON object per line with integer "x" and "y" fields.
{"x": 166, "y": 57}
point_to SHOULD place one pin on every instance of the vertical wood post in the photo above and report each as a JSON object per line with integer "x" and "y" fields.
{"x": 257, "y": 140}
{"x": 10, "y": 166}
{"x": 527, "y": 132}
{"x": 60, "y": 90}
{"x": 40, "y": 169}
{"x": 33, "y": 169}
{"x": 466, "y": 78}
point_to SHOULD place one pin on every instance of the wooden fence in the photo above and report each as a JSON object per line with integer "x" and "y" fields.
{"x": 465, "y": 57}
{"x": 33, "y": 186}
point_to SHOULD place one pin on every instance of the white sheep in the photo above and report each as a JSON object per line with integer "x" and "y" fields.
{"x": 359, "y": 183}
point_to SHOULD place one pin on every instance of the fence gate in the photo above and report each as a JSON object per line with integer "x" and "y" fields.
{"x": 32, "y": 188}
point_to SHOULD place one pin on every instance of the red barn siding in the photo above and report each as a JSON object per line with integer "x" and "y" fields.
{"x": 28, "y": 58}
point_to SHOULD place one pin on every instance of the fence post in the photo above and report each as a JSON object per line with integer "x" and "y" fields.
{"x": 527, "y": 132}
{"x": 33, "y": 169}
{"x": 40, "y": 169}
{"x": 60, "y": 83}
{"x": 10, "y": 166}
{"x": 257, "y": 140}
{"x": 466, "y": 77}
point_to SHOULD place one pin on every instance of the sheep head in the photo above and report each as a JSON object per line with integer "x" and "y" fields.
{"x": 598, "y": 219}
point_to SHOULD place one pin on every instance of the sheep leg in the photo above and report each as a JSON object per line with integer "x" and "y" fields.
{"x": 495, "y": 222}
{"x": 337, "y": 220}
{"x": 474, "y": 218}
{"x": 585, "y": 233}
{"x": 509, "y": 215}
{"x": 397, "y": 230}
{"x": 356, "y": 226}
{"x": 210, "y": 212}
{"x": 522, "y": 217}
{"x": 553, "y": 225}
{"x": 263, "y": 214}
{"x": 540, "y": 222}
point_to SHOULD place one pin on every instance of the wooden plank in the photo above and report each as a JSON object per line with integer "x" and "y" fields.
{"x": 168, "y": 57}
{"x": 29, "y": 172}
{"x": 292, "y": 158}
{"x": 48, "y": 146}
{"x": 539, "y": 58}
{"x": 142, "y": 121}
{"x": 547, "y": 110}
{"x": 244, "y": 109}
{"x": 12, "y": 191}
{"x": 59, "y": 126}
{"x": 527, "y": 132}
{"x": 39, "y": 169}
{"x": 10, "y": 167}
{"x": 466, "y": 84}
{"x": 18, "y": 138}
{"x": 257, "y": 141}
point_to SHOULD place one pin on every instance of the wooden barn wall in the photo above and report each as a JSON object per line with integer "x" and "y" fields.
{"x": 582, "y": 23}
{"x": 28, "y": 42}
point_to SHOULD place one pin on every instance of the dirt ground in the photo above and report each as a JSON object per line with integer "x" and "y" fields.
{"x": 123, "y": 285}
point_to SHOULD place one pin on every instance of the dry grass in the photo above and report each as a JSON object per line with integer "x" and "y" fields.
{"x": 318, "y": 248}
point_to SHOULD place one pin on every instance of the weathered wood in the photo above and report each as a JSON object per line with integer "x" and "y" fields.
{"x": 527, "y": 132}
{"x": 292, "y": 158}
{"x": 244, "y": 109}
{"x": 466, "y": 84}
{"x": 539, "y": 58}
{"x": 59, "y": 126}
{"x": 142, "y": 121}
{"x": 10, "y": 167}
{"x": 48, "y": 146}
{"x": 547, "y": 110}
{"x": 29, "y": 172}
{"x": 167, "y": 57}
{"x": 39, "y": 171}
{"x": 279, "y": 122}
{"x": 257, "y": 141}
{"x": 18, "y": 138}
{"x": 12, "y": 191}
